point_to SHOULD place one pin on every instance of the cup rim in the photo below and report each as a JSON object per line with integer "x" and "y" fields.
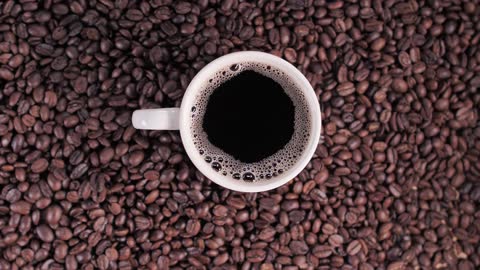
{"x": 196, "y": 85}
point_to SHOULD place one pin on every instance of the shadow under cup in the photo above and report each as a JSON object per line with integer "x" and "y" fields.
{"x": 191, "y": 117}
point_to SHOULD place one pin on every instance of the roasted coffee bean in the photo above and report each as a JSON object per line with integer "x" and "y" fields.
{"x": 392, "y": 185}
{"x": 335, "y": 240}
{"x": 21, "y": 207}
{"x": 255, "y": 255}
{"x": 53, "y": 214}
{"x": 39, "y": 165}
{"x": 6, "y": 74}
{"x": 322, "y": 251}
{"x": 44, "y": 233}
{"x": 79, "y": 171}
{"x": 345, "y": 89}
{"x": 354, "y": 247}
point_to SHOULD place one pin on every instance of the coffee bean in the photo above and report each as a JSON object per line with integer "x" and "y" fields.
{"x": 378, "y": 44}
{"x": 79, "y": 170}
{"x": 53, "y": 214}
{"x": 399, "y": 265}
{"x": 284, "y": 35}
{"x": 134, "y": 15}
{"x": 395, "y": 190}
{"x": 221, "y": 259}
{"x": 354, "y": 247}
{"x": 255, "y": 255}
{"x": 13, "y": 195}
{"x": 167, "y": 27}
{"x": 404, "y": 59}
{"x": 39, "y": 165}
{"x": 135, "y": 158}
{"x": 335, "y": 240}
{"x": 44, "y": 233}
{"x": 15, "y": 61}
{"x": 397, "y": 88}
{"x": 322, "y": 251}
{"x": 298, "y": 247}
{"x": 21, "y": 207}
{"x": 328, "y": 229}
{"x": 290, "y": 55}
{"x": 345, "y": 89}
{"x": 246, "y": 33}
{"x": 442, "y": 104}
{"x": 10, "y": 238}
{"x": 106, "y": 155}
{"x": 6, "y": 74}
{"x": 71, "y": 262}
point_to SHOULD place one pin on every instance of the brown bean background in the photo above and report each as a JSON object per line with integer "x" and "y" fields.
{"x": 395, "y": 185}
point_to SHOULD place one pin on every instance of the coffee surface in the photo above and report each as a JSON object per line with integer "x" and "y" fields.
{"x": 249, "y": 117}
{"x": 250, "y": 121}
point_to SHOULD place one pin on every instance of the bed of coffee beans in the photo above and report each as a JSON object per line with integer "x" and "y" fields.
{"x": 395, "y": 184}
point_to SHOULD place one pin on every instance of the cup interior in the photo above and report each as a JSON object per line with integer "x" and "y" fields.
{"x": 199, "y": 82}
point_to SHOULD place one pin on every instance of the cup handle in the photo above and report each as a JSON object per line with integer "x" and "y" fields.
{"x": 157, "y": 119}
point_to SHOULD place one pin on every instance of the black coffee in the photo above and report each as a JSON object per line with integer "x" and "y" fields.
{"x": 250, "y": 121}
{"x": 249, "y": 117}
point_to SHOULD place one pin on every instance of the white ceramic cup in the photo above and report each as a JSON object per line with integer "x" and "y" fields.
{"x": 180, "y": 119}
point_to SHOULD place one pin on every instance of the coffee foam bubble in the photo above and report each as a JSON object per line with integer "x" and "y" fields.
{"x": 268, "y": 167}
